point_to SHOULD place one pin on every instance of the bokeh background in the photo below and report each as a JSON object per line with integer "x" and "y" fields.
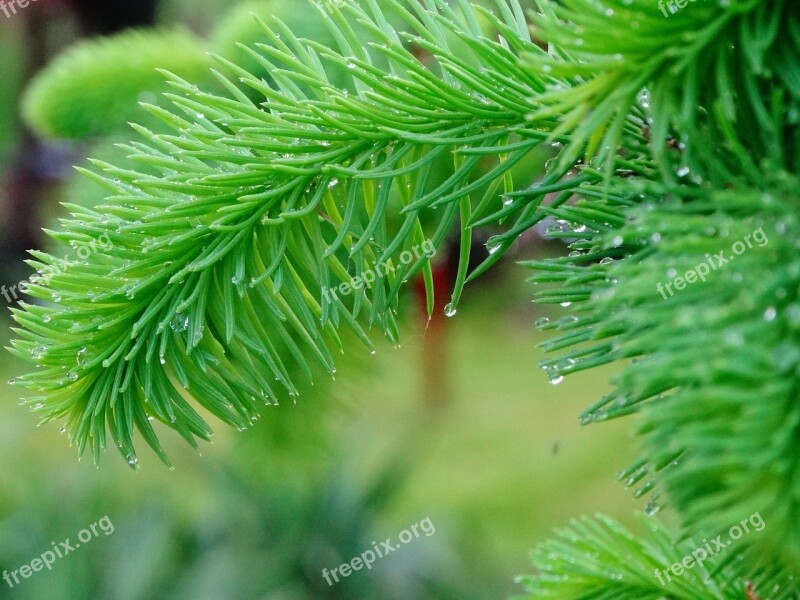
{"x": 457, "y": 424}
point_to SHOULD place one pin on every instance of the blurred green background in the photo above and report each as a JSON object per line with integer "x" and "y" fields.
{"x": 458, "y": 425}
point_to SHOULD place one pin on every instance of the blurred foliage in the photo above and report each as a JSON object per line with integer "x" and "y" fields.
{"x": 484, "y": 470}
{"x": 10, "y": 67}
{"x": 93, "y": 88}
{"x": 255, "y": 538}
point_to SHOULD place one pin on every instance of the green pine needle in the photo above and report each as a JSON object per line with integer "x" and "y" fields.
{"x": 599, "y": 559}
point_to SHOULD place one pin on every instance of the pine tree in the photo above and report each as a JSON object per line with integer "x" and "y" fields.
{"x": 676, "y": 144}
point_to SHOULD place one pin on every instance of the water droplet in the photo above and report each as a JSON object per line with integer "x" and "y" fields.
{"x": 733, "y": 338}
{"x": 542, "y": 321}
{"x": 179, "y": 323}
{"x": 651, "y": 508}
{"x": 56, "y": 297}
{"x": 682, "y": 171}
{"x": 643, "y": 98}
{"x": 793, "y": 313}
{"x": 72, "y": 375}
{"x": 47, "y": 318}
{"x": 81, "y": 357}
{"x": 770, "y": 313}
{"x": 607, "y": 260}
{"x": 333, "y": 183}
{"x": 450, "y": 310}
{"x": 12, "y": 382}
{"x": 38, "y": 352}
{"x": 162, "y": 359}
{"x": 133, "y": 461}
{"x": 554, "y": 377}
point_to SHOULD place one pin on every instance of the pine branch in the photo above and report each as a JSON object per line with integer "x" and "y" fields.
{"x": 671, "y": 145}
{"x": 713, "y": 365}
{"x": 599, "y": 559}
{"x": 719, "y": 78}
{"x": 227, "y": 240}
